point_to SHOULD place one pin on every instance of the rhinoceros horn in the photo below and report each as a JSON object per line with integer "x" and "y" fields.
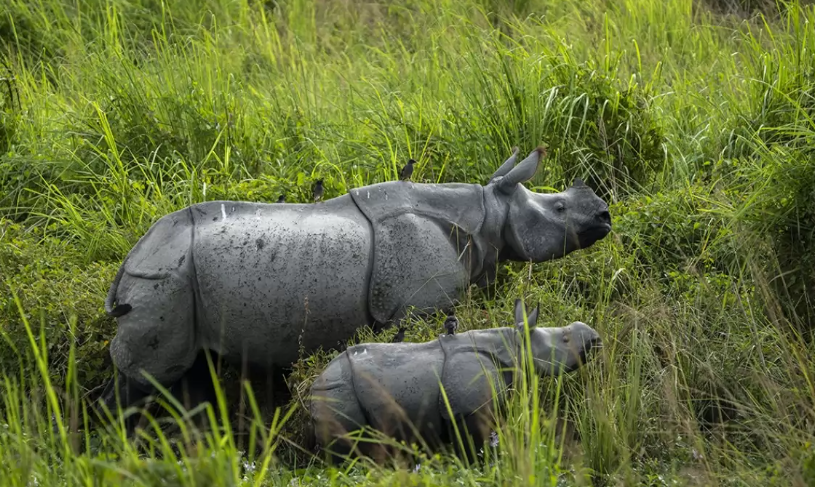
{"x": 522, "y": 172}
{"x": 578, "y": 183}
{"x": 506, "y": 166}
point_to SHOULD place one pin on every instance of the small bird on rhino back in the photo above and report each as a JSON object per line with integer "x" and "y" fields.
{"x": 451, "y": 323}
{"x": 407, "y": 170}
{"x": 317, "y": 192}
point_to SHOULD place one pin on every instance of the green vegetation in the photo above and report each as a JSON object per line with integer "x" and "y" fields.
{"x": 695, "y": 120}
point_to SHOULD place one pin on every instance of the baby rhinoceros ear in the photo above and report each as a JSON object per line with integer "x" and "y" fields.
{"x": 531, "y": 319}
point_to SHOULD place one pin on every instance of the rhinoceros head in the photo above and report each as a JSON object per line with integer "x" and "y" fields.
{"x": 556, "y": 349}
{"x": 541, "y": 227}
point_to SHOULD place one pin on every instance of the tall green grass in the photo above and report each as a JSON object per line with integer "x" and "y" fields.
{"x": 695, "y": 124}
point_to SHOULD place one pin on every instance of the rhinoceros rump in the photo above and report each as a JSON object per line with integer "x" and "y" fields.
{"x": 396, "y": 387}
{"x": 252, "y": 281}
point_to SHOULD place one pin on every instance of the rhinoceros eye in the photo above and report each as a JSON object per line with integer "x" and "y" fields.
{"x": 560, "y": 207}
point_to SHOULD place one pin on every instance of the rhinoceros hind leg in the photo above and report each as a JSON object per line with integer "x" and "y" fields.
{"x": 157, "y": 336}
{"x": 120, "y": 394}
{"x": 335, "y": 411}
{"x": 196, "y": 388}
{"x": 196, "y": 385}
{"x": 400, "y": 335}
{"x": 331, "y": 429}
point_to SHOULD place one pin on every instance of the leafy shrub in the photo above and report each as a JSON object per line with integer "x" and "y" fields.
{"x": 677, "y": 231}
{"x": 747, "y": 8}
{"x": 780, "y": 205}
{"x": 54, "y": 286}
{"x": 593, "y": 128}
{"x": 770, "y": 168}
{"x": 26, "y": 32}
{"x": 621, "y": 147}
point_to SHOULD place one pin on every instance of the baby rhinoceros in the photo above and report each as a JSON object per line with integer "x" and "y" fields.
{"x": 395, "y": 388}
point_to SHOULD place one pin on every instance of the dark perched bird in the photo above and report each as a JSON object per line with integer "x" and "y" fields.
{"x": 318, "y": 190}
{"x": 282, "y": 198}
{"x": 400, "y": 335}
{"x": 407, "y": 171}
{"x": 450, "y": 324}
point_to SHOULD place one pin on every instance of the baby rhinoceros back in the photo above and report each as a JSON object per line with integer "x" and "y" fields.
{"x": 396, "y": 388}
{"x": 390, "y": 387}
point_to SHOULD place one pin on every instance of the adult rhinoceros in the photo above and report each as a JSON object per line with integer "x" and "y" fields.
{"x": 254, "y": 281}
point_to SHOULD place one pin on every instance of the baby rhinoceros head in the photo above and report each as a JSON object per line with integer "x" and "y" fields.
{"x": 556, "y": 350}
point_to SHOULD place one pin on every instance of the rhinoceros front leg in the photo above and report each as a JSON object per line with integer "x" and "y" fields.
{"x": 475, "y": 431}
{"x": 472, "y": 383}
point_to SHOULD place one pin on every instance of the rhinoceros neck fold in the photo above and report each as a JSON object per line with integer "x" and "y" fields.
{"x": 427, "y": 244}
{"x": 490, "y": 242}
{"x": 501, "y": 344}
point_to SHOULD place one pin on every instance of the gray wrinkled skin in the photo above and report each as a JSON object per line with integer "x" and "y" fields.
{"x": 396, "y": 388}
{"x": 254, "y": 281}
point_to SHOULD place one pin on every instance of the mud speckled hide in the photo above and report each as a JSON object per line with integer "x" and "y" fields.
{"x": 255, "y": 281}
{"x": 396, "y": 388}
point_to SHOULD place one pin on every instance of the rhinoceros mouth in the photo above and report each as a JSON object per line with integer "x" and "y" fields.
{"x": 591, "y": 235}
{"x": 587, "y": 354}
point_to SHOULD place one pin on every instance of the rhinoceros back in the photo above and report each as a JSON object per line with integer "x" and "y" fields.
{"x": 273, "y": 277}
{"x": 392, "y": 385}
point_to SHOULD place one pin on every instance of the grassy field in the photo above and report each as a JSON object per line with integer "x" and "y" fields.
{"x": 695, "y": 120}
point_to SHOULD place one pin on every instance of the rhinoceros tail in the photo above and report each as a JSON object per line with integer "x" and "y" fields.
{"x": 119, "y": 309}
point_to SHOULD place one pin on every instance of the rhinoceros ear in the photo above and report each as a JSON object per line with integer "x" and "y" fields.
{"x": 519, "y": 311}
{"x": 578, "y": 183}
{"x": 522, "y": 172}
{"x": 531, "y": 318}
{"x": 506, "y": 166}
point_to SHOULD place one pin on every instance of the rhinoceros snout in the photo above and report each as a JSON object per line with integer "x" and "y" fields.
{"x": 599, "y": 227}
{"x": 585, "y": 339}
{"x": 592, "y": 344}
{"x": 604, "y": 217}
